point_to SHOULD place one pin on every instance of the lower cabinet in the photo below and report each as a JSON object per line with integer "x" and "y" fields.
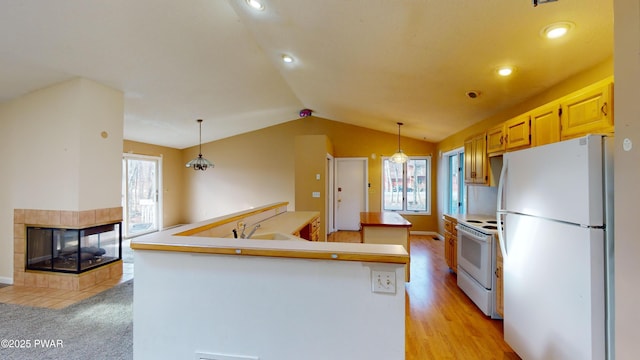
{"x": 499, "y": 284}
{"x": 310, "y": 231}
{"x": 451, "y": 242}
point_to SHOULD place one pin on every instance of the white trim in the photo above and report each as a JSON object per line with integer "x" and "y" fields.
{"x": 447, "y": 172}
{"x": 159, "y": 192}
{"x": 330, "y": 182}
{"x": 429, "y": 171}
{"x": 6, "y": 280}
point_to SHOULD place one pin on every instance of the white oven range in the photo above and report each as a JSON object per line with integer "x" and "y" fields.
{"x": 477, "y": 247}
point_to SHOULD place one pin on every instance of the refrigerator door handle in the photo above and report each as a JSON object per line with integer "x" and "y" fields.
{"x": 499, "y": 209}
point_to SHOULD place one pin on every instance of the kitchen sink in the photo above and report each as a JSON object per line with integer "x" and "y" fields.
{"x": 273, "y": 236}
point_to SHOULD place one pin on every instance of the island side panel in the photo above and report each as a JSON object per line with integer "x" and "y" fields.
{"x": 395, "y": 235}
{"x": 267, "y": 307}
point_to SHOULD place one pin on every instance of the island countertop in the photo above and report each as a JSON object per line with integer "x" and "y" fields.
{"x": 385, "y": 218}
{"x": 184, "y": 239}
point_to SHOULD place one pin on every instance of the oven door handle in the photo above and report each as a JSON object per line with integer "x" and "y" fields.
{"x": 476, "y": 238}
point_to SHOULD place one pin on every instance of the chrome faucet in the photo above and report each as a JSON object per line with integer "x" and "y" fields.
{"x": 253, "y": 231}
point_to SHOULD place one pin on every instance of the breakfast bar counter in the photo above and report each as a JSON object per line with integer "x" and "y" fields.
{"x": 274, "y": 295}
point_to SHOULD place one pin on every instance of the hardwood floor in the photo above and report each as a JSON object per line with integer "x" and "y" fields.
{"x": 441, "y": 321}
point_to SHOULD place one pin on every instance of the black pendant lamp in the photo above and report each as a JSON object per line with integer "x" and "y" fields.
{"x": 200, "y": 163}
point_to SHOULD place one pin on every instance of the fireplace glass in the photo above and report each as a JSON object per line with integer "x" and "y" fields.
{"x": 73, "y": 250}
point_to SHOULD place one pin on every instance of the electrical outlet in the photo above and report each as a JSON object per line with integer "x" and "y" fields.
{"x": 383, "y": 281}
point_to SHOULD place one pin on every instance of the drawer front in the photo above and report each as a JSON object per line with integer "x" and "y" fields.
{"x": 448, "y": 226}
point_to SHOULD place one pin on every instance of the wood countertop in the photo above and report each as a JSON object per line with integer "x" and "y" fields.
{"x": 181, "y": 239}
{"x": 385, "y": 218}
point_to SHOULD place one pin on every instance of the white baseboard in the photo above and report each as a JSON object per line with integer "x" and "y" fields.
{"x": 427, "y": 233}
{"x": 6, "y": 280}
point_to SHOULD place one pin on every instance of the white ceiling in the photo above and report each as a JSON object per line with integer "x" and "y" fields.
{"x": 368, "y": 63}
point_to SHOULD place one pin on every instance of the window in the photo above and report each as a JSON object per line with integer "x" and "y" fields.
{"x": 407, "y": 187}
{"x": 456, "y": 200}
{"x": 141, "y": 201}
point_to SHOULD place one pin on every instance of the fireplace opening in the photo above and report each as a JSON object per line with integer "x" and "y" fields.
{"x": 73, "y": 250}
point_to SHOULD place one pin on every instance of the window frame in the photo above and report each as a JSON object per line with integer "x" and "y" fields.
{"x": 462, "y": 193}
{"x": 428, "y": 186}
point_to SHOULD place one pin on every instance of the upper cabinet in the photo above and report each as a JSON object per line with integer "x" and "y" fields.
{"x": 517, "y": 132}
{"x": 545, "y": 124}
{"x": 475, "y": 160}
{"x": 588, "y": 111}
{"x": 495, "y": 140}
{"x": 511, "y": 135}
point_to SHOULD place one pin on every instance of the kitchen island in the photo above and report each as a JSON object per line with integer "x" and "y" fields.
{"x": 272, "y": 299}
{"x": 386, "y": 228}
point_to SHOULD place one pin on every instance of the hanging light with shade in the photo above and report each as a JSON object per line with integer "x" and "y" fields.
{"x": 399, "y": 157}
{"x": 200, "y": 163}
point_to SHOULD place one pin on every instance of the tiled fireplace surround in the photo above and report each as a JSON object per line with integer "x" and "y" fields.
{"x": 65, "y": 219}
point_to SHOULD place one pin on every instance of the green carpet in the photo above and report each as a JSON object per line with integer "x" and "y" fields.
{"x": 100, "y": 327}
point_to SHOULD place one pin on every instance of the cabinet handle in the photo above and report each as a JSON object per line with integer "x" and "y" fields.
{"x": 506, "y": 138}
{"x": 603, "y": 109}
{"x": 501, "y": 139}
{"x": 496, "y": 272}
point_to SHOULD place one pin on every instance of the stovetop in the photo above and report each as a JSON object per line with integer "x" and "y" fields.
{"x": 480, "y": 223}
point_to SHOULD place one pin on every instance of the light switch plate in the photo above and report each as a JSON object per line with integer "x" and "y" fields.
{"x": 315, "y": 194}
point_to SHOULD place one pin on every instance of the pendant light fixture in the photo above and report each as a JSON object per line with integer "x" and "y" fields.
{"x": 399, "y": 157}
{"x": 200, "y": 163}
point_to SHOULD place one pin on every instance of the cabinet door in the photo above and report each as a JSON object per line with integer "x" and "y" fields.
{"x": 587, "y": 112}
{"x": 448, "y": 249}
{"x": 499, "y": 285}
{"x": 480, "y": 160}
{"x": 517, "y": 132}
{"x": 469, "y": 171}
{"x": 545, "y": 125}
{"x": 454, "y": 250}
{"x": 495, "y": 140}
{"x": 475, "y": 160}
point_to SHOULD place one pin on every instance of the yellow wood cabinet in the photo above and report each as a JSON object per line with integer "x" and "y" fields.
{"x": 588, "y": 111}
{"x": 517, "y": 132}
{"x": 495, "y": 141}
{"x": 545, "y": 124}
{"x": 475, "y": 160}
{"x": 311, "y": 230}
{"x": 499, "y": 284}
{"x": 451, "y": 242}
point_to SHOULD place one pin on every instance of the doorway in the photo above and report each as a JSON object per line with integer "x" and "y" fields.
{"x": 351, "y": 192}
{"x": 141, "y": 200}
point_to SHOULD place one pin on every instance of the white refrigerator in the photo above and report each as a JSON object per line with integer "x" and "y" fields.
{"x": 555, "y": 204}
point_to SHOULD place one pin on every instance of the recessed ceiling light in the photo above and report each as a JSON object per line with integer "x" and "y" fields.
{"x": 557, "y": 30}
{"x": 505, "y": 71}
{"x": 286, "y": 58}
{"x": 255, "y": 4}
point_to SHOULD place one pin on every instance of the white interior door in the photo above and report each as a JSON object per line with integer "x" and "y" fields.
{"x": 351, "y": 192}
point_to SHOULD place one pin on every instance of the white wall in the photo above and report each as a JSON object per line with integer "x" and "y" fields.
{"x": 54, "y": 157}
{"x": 627, "y": 173}
{"x": 273, "y": 308}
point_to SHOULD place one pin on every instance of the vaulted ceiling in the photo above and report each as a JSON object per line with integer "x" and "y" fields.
{"x": 367, "y": 63}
